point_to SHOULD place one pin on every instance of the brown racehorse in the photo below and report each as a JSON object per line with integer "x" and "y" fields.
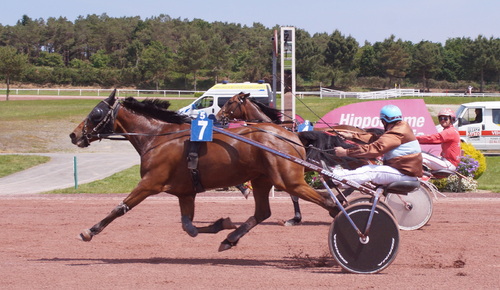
{"x": 319, "y": 144}
{"x": 162, "y": 138}
{"x": 242, "y": 107}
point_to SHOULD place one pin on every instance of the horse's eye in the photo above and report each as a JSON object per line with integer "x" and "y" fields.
{"x": 96, "y": 115}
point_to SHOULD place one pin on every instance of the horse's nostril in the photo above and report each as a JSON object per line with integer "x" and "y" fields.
{"x": 72, "y": 136}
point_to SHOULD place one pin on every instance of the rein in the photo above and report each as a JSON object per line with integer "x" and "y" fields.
{"x": 110, "y": 135}
{"x": 277, "y": 136}
{"x": 291, "y": 141}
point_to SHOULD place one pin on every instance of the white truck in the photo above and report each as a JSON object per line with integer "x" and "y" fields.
{"x": 478, "y": 123}
{"x": 212, "y": 100}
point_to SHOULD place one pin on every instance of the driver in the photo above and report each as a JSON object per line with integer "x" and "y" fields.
{"x": 402, "y": 159}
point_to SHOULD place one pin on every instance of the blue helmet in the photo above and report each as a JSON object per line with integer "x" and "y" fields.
{"x": 390, "y": 113}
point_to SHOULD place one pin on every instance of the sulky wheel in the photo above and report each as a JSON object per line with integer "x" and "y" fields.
{"x": 369, "y": 199}
{"x": 374, "y": 253}
{"x": 412, "y": 211}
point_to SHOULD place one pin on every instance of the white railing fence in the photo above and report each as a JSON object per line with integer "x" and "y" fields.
{"x": 98, "y": 92}
{"x": 323, "y": 93}
{"x": 395, "y": 93}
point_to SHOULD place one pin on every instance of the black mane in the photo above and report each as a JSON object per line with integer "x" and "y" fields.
{"x": 156, "y": 109}
{"x": 320, "y": 146}
{"x": 273, "y": 114}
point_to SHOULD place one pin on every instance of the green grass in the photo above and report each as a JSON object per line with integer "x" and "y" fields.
{"x": 489, "y": 180}
{"x": 121, "y": 182}
{"x": 44, "y": 109}
{"x": 10, "y": 164}
{"x": 57, "y": 109}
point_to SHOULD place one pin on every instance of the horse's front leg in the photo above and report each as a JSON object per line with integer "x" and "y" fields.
{"x": 187, "y": 214}
{"x": 133, "y": 199}
{"x": 186, "y": 204}
{"x": 262, "y": 212}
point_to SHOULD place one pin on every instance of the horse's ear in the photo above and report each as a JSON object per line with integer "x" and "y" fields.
{"x": 111, "y": 99}
{"x": 246, "y": 95}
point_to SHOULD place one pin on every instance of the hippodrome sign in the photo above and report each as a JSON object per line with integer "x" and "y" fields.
{"x": 366, "y": 115}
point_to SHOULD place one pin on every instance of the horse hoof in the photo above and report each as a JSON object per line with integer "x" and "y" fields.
{"x": 86, "y": 235}
{"x": 292, "y": 222}
{"x": 190, "y": 230}
{"x": 225, "y": 245}
{"x": 334, "y": 212}
{"x": 227, "y": 224}
{"x": 247, "y": 192}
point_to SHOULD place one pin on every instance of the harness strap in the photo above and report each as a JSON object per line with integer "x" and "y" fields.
{"x": 192, "y": 161}
{"x": 277, "y": 136}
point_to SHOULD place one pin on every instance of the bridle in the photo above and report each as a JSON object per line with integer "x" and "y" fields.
{"x": 226, "y": 112}
{"x": 106, "y": 123}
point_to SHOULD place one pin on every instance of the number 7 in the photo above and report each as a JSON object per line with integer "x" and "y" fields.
{"x": 203, "y": 125}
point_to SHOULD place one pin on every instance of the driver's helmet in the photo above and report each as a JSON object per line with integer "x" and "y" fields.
{"x": 447, "y": 112}
{"x": 391, "y": 113}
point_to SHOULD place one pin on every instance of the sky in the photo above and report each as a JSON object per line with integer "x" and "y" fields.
{"x": 365, "y": 20}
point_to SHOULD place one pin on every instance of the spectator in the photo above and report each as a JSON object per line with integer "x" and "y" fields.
{"x": 449, "y": 140}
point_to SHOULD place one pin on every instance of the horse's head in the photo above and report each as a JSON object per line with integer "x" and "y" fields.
{"x": 99, "y": 121}
{"x": 241, "y": 107}
{"x": 233, "y": 109}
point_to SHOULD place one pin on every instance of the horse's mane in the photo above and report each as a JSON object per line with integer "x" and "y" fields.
{"x": 375, "y": 131}
{"x": 320, "y": 146}
{"x": 156, "y": 109}
{"x": 273, "y": 114}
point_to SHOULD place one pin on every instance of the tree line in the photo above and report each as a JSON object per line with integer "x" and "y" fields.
{"x": 169, "y": 53}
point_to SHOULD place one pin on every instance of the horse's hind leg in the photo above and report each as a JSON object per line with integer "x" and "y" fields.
{"x": 262, "y": 212}
{"x": 297, "y": 219}
{"x": 187, "y": 214}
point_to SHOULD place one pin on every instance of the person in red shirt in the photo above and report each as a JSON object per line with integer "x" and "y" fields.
{"x": 449, "y": 140}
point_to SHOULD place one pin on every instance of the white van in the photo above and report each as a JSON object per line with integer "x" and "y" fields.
{"x": 479, "y": 124}
{"x": 212, "y": 100}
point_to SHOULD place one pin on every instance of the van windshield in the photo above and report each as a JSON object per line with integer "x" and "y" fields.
{"x": 222, "y": 100}
{"x": 204, "y": 102}
{"x": 496, "y": 116}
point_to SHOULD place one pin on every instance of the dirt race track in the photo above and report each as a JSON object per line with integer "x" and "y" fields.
{"x": 147, "y": 249}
